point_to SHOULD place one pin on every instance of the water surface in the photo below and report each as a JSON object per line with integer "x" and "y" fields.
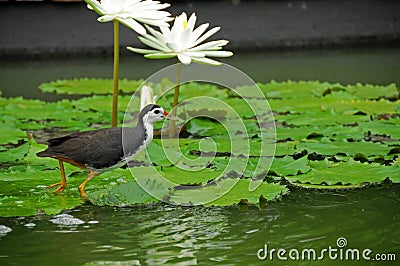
{"x": 162, "y": 234}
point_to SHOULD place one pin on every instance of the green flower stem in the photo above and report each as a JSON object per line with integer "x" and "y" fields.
{"x": 115, "y": 75}
{"x": 176, "y": 99}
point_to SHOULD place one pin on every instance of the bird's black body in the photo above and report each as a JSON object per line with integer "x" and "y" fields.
{"x": 100, "y": 149}
{"x": 104, "y": 149}
{"x": 95, "y": 150}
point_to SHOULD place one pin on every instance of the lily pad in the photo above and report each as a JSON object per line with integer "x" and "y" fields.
{"x": 287, "y": 166}
{"x": 129, "y": 193}
{"x": 344, "y": 147}
{"x": 228, "y": 192}
{"x": 9, "y": 132}
{"x": 325, "y": 174}
{"x": 25, "y": 193}
{"x": 89, "y": 86}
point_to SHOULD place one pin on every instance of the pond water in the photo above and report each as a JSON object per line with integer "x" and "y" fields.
{"x": 367, "y": 218}
{"x": 162, "y": 234}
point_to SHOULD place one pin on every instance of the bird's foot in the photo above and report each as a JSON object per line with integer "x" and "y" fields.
{"x": 61, "y": 187}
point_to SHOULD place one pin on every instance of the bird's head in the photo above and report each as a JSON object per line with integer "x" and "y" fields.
{"x": 152, "y": 113}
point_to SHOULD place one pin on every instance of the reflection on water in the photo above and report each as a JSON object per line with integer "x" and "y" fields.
{"x": 162, "y": 234}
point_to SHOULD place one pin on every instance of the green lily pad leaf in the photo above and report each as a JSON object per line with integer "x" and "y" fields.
{"x": 288, "y": 166}
{"x": 368, "y": 91}
{"x": 89, "y": 86}
{"x": 226, "y": 192}
{"x": 253, "y": 167}
{"x": 291, "y": 89}
{"x": 333, "y": 105}
{"x": 187, "y": 177}
{"x": 9, "y": 133}
{"x": 15, "y": 154}
{"x": 382, "y": 127}
{"x": 25, "y": 193}
{"x": 317, "y": 132}
{"x": 321, "y": 119}
{"x": 326, "y": 173}
{"x": 35, "y": 114}
{"x": 286, "y": 148}
{"x": 349, "y": 148}
{"x": 235, "y": 147}
{"x": 103, "y": 103}
{"x": 194, "y": 89}
{"x": 130, "y": 193}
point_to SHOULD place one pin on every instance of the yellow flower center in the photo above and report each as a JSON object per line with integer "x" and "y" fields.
{"x": 185, "y": 24}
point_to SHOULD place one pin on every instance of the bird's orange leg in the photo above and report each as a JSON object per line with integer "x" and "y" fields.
{"x": 63, "y": 183}
{"x": 89, "y": 177}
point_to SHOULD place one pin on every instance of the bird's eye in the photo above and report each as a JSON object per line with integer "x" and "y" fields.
{"x": 157, "y": 111}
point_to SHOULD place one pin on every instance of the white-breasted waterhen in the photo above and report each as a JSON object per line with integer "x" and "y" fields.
{"x": 102, "y": 150}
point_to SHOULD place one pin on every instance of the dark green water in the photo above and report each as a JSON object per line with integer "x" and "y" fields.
{"x": 367, "y": 218}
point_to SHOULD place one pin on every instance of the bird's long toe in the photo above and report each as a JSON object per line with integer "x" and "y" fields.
{"x": 61, "y": 187}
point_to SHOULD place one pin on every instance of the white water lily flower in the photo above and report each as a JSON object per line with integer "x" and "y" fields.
{"x": 131, "y": 12}
{"x": 184, "y": 42}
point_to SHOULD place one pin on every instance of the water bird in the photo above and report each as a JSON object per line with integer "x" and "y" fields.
{"x": 101, "y": 150}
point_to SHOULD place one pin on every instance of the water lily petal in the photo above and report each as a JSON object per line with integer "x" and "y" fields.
{"x": 155, "y": 33}
{"x": 172, "y": 46}
{"x": 166, "y": 32}
{"x": 106, "y": 18}
{"x": 186, "y": 60}
{"x": 213, "y": 45}
{"x": 159, "y": 42}
{"x": 206, "y": 35}
{"x": 131, "y": 23}
{"x": 96, "y": 6}
{"x": 141, "y": 51}
{"x": 195, "y": 54}
{"x": 207, "y": 61}
{"x": 192, "y": 22}
{"x": 178, "y": 26}
{"x": 219, "y": 53}
{"x": 185, "y": 39}
{"x": 130, "y": 12}
{"x": 160, "y": 55}
{"x": 198, "y": 32}
{"x": 155, "y": 45}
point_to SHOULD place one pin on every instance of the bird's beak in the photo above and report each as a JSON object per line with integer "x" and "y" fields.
{"x": 169, "y": 116}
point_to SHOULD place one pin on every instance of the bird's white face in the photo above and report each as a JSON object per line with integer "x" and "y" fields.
{"x": 157, "y": 114}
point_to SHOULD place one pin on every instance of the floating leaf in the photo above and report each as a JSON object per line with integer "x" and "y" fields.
{"x": 14, "y": 155}
{"x": 321, "y": 119}
{"x": 289, "y": 166}
{"x": 24, "y": 193}
{"x": 89, "y": 86}
{"x": 332, "y": 105}
{"x": 129, "y": 193}
{"x": 326, "y": 173}
{"x": 103, "y": 103}
{"x": 348, "y": 148}
{"x": 9, "y": 133}
{"x": 369, "y": 91}
{"x": 228, "y": 192}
